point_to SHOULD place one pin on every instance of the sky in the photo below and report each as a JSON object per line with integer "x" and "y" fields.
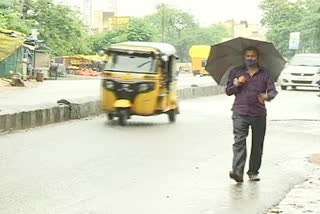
{"x": 207, "y": 12}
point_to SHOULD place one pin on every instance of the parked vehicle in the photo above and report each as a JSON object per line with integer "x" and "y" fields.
{"x": 302, "y": 70}
{"x": 140, "y": 79}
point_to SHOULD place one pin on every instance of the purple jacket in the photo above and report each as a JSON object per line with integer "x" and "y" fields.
{"x": 246, "y": 100}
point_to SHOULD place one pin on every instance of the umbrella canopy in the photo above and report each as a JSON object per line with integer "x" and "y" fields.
{"x": 227, "y": 55}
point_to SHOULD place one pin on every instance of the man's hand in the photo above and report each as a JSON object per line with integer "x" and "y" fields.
{"x": 263, "y": 97}
{"x": 239, "y": 81}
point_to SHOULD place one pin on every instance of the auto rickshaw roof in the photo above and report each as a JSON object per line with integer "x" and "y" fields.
{"x": 162, "y": 48}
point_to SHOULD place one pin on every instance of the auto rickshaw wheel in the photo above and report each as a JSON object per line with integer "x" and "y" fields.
{"x": 172, "y": 115}
{"x": 123, "y": 117}
{"x": 110, "y": 116}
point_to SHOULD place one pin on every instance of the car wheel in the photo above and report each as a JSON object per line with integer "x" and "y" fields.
{"x": 283, "y": 87}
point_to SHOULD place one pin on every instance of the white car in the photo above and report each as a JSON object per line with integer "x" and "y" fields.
{"x": 302, "y": 70}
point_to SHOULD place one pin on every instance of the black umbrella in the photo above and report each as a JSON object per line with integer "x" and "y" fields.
{"x": 227, "y": 55}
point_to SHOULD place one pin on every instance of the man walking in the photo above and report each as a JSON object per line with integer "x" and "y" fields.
{"x": 252, "y": 86}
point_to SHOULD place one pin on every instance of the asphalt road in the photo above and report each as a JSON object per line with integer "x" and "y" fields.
{"x": 97, "y": 167}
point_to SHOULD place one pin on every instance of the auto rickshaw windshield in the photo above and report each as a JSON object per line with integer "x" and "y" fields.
{"x": 131, "y": 63}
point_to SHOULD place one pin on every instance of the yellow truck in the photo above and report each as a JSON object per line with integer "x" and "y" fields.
{"x": 199, "y": 55}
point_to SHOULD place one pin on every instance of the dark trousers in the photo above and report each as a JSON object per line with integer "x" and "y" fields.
{"x": 241, "y": 124}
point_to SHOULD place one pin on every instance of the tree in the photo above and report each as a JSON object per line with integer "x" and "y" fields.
{"x": 58, "y": 25}
{"x": 136, "y": 30}
{"x": 60, "y": 28}
{"x": 210, "y": 35}
{"x": 12, "y": 21}
{"x": 169, "y": 22}
{"x": 9, "y": 4}
{"x": 311, "y": 26}
{"x": 281, "y": 17}
{"x": 180, "y": 29}
{"x": 10, "y": 16}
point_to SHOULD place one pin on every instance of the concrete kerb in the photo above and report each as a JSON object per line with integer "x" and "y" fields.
{"x": 84, "y": 107}
{"x": 33, "y": 116}
{"x": 200, "y": 91}
{"x": 78, "y": 108}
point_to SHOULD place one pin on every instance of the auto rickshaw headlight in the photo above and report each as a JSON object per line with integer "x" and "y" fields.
{"x": 109, "y": 84}
{"x": 145, "y": 87}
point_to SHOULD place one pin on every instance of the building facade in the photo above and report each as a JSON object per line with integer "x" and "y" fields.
{"x": 245, "y": 29}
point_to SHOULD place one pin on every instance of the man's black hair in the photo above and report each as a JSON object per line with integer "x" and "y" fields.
{"x": 252, "y": 48}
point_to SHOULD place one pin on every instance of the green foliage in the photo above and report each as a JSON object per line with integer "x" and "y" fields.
{"x": 169, "y": 22}
{"x": 136, "y": 30}
{"x": 311, "y": 26}
{"x": 58, "y": 25}
{"x": 209, "y": 35}
{"x": 281, "y": 17}
{"x": 168, "y": 25}
{"x": 13, "y": 21}
{"x": 104, "y": 40}
{"x": 197, "y": 36}
{"x": 10, "y": 17}
{"x": 6, "y": 4}
{"x": 180, "y": 29}
{"x": 60, "y": 28}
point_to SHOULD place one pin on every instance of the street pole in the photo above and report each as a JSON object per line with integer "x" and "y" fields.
{"x": 162, "y": 23}
{"x": 22, "y": 12}
{"x": 116, "y": 14}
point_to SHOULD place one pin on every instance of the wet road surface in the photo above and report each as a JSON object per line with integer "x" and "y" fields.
{"x": 97, "y": 167}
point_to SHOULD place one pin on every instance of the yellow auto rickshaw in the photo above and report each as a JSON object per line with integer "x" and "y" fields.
{"x": 140, "y": 79}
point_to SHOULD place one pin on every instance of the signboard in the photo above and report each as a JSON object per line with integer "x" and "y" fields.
{"x": 294, "y": 40}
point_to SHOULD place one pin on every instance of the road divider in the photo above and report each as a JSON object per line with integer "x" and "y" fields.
{"x": 71, "y": 109}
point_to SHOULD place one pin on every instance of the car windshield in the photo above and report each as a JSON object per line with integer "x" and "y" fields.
{"x": 131, "y": 63}
{"x": 305, "y": 61}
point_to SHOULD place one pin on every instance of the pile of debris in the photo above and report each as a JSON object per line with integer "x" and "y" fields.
{"x": 16, "y": 81}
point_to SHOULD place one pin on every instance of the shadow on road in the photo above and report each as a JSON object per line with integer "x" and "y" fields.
{"x": 142, "y": 124}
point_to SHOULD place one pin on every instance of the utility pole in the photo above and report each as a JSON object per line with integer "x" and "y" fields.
{"x": 115, "y": 6}
{"x": 160, "y": 8}
{"x": 23, "y": 8}
{"x": 162, "y": 22}
{"x": 14, "y": 5}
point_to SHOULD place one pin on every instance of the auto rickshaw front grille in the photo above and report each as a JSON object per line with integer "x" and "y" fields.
{"x": 128, "y": 90}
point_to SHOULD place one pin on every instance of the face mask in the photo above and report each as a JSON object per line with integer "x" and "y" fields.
{"x": 250, "y": 62}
